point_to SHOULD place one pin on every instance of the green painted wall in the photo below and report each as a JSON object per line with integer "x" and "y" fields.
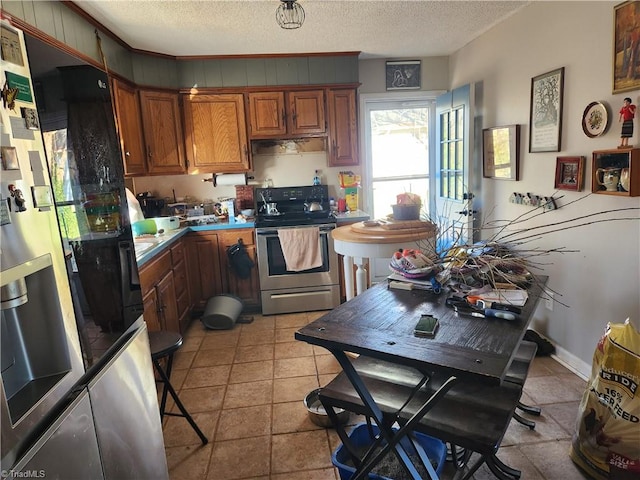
{"x": 61, "y": 23}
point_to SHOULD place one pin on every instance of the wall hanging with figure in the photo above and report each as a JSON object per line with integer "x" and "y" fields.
{"x": 403, "y": 75}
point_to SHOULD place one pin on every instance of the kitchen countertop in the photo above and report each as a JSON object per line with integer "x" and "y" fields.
{"x": 148, "y": 246}
{"x": 353, "y": 216}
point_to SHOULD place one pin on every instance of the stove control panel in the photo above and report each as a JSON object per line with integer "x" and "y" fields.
{"x": 293, "y": 194}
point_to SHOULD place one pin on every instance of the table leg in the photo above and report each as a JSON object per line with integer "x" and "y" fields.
{"x": 393, "y": 440}
{"x": 361, "y": 275}
{"x": 348, "y": 276}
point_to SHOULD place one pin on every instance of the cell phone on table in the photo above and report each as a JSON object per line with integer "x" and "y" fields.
{"x": 426, "y": 326}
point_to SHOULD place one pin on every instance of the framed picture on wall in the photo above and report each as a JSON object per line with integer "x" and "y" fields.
{"x": 501, "y": 152}
{"x": 403, "y": 75}
{"x": 545, "y": 123}
{"x": 626, "y": 35}
{"x": 11, "y": 48}
{"x": 569, "y": 173}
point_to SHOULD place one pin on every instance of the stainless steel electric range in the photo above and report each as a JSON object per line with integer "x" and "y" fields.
{"x": 283, "y": 290}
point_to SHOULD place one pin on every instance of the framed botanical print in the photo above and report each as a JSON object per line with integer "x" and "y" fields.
{"x": 545, "y": 123}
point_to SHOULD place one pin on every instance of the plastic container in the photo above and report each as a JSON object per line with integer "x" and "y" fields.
{"x": 406, "y": 212}
{"x": 167, "y": 223}
{"x": 434, "y": 448}
{"x": 144, "y": 227}
{"x": 221, "y": 312}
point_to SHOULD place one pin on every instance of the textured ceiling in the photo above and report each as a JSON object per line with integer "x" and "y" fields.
{"x": 378, "y": 29}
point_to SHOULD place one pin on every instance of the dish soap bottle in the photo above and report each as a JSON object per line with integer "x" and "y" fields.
{"x": 316, "y": 178}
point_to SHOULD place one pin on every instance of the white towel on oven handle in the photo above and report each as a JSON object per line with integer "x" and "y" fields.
{"x": 301, "y": 248}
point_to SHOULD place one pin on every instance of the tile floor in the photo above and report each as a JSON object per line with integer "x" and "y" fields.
{"x": 244, "y": 387}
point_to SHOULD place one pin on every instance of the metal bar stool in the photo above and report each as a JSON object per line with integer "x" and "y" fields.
{"x": 165, "y": 344}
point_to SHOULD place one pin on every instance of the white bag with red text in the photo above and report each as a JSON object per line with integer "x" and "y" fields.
{"x": 606, "y": 443}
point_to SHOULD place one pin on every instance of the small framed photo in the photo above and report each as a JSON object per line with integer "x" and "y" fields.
{"x": 403, "y": 75}
{"x": 11, "y": 47}
{"x": 30, "y": 116}
{"x": 569, "y": 173}
{"x": 9, "y": 158}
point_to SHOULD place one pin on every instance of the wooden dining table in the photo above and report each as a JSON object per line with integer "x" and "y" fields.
{"x": 380, "y": 324}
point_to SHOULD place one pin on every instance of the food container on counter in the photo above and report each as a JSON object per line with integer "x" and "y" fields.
{"x": 179, "y": 209}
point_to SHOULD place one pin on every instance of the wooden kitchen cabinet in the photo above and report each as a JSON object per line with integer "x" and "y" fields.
{"x": 216, "y": 133}
{"x": 203, "y": 266}
{"x": 159, "y": 296}
{"x": 248, "y": 289}
{"x": 343, "y": 127}
{"x": 291, "y": 113}
{"x": 129, "y": 121}
{"x": 181, "y": 281}
{"x": 211, "y": 274}
{"x": 163, "y": 135}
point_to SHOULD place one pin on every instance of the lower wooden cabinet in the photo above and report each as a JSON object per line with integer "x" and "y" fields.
{"x": 181, "y": 283}
{"x": 203, "y": 265}
{"x": 159, "y": 294}
{"x": 247, "y": 289}
{"x": 210, "y": 272}
{"x": 186, "y": 275}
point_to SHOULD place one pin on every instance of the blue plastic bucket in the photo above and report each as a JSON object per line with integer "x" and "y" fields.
{"x": 360, "y": 436}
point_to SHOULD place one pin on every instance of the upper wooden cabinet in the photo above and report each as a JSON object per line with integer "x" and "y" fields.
{"x": 343, "y": 127}
{"x": 216, "y": 133}
{"x": 293, "y": 113}
{"x": 129, "y": 121}
{"x": 163, "y": 135}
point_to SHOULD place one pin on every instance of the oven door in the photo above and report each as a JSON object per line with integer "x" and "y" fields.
{"x": 273, "y": 271}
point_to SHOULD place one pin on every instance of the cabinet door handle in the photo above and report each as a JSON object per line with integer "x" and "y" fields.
{"x": 284, "y": 118}
{"x": 149, "y": 151}
{"x": 246, "y": 151}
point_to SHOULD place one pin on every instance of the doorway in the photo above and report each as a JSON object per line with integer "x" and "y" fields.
{"x": 399, "y": 142}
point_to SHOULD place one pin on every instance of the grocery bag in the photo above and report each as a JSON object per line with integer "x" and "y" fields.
{"x": 606, "y": 442}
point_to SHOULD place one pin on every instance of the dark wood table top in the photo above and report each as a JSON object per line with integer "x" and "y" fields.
{"x": 379, "y": 323}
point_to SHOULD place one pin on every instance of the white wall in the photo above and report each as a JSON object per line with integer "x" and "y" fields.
{"x": 600, "y": 282}
{"x": 285, "y": 170}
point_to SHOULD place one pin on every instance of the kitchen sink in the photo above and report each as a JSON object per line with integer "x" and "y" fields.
{"x": 142, "y": 247}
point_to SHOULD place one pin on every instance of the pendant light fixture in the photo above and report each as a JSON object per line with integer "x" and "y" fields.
{"x": 290, "y": 14}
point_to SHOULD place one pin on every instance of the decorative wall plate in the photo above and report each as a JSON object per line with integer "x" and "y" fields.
{"x": 595, "y": 119}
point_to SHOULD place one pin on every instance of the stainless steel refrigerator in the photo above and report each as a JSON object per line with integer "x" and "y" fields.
{"x": 78, "y": 396}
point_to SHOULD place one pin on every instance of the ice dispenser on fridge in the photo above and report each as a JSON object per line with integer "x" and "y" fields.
{"x": 37, "y": 367}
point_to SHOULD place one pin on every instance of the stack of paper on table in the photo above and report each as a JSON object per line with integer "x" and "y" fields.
{"x": 510, "y": 297}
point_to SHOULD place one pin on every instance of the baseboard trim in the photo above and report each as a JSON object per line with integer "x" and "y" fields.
{"x": 573, "y": 363}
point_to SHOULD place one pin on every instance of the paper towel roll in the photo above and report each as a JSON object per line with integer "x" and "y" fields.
{"x": 229, "y": 179}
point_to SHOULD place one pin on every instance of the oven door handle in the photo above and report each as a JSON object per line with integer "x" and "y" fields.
{"x": 266, "y": 233}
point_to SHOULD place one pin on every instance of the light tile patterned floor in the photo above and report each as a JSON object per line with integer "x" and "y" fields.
{"x": 244, "y": 387}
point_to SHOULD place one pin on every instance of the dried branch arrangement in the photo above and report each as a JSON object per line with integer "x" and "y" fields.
{"x": 508, "y": 256}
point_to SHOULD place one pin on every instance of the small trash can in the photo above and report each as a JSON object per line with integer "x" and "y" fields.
{"x": 222, "y": 312}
